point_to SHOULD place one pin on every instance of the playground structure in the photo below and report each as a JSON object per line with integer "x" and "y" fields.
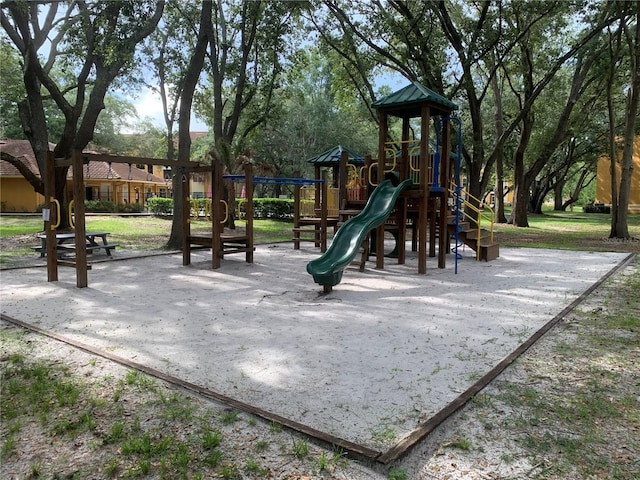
{"x": 224, "y": 242}
{"x": 314, "y": 211}
{"x": 51, "y": 211}
{"x": 221, "y": 243}
{"x": 431, "y": 200}
{"x": 318, "y": 207}
{"x": 431, "y": 186}
{"x": 327, "y": 270}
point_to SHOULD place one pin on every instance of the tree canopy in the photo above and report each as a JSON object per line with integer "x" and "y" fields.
{"x": 72, "y": 53}
{"x": 545, "y": 87}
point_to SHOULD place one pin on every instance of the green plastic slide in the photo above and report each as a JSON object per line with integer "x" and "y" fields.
{"x": 327, "y": 269}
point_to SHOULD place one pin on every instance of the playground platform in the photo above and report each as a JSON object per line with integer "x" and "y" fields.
{"x": 373, "y": 366}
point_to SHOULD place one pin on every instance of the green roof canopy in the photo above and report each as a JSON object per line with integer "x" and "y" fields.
{"x": 332, "y": 157}
{"x": 405, "y": 101}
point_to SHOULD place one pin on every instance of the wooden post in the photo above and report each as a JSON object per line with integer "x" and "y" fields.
{"x": 318, "y": 194}
{"x": 217, "y": 227}
{"x": 81, "y": 233}
{"x": 431, "y": 218}
{"x": 403, "y": 164}
{"x": 296, "y": 218}
{"x": 186, "y": 223}
{"x": 343, "y": 177}
{"x": 248, "y": 174}
{"x": 368, "y": 161}
{"x": 445, "y": 163}
{"x": 403, "y": 174}
{"x": 324, "y": 211}
{"x": 424, "y": 189}
{"x": 49, "y": 225}
{"x": 401, "y": 221}
{"x": 382, "y": 137}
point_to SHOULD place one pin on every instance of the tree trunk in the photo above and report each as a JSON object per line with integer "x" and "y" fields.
{"x": 521, "y": 184}
{"x": 557, "y": 196}
{"x": 537, "y": 193}
{"x": 520, "y": 202}
{"x": 500, "y": 216}
{"x": 230, "y": 196}
{"x": 580, "y": 185}
{"x": 184, "y": 123}
{"x": 620, "y": 228}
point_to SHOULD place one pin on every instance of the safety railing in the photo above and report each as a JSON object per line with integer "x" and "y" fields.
{"x": 308, "y": 197}
{"x": 392, "y": 153}
{"x": 197, "y": 207}
{"x": 390, "y": 164}
{"x": 483, "y": 214}
{"x": 333, "y": 201}
{"x": 356, "y": 178}
{"x": 307, "y": 201}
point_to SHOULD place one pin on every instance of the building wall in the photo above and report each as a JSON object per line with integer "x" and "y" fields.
{"x": 118, "y": 191}
{"x": 17, "y": 195}
{"x": 103, "y": 180}
{"x": 603, "y": 187}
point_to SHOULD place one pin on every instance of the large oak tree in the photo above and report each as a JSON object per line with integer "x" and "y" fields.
{"x": 457, "y": 48}
{"x": 627, "y": 47}
{"x": 93, "y": 44}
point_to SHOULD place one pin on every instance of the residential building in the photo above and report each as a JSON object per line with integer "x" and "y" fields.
{"x": 603, "y": 186}
{"x": 115, "y": 182}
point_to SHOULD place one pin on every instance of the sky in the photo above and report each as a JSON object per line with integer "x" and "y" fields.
{"x": 149, "y": 106}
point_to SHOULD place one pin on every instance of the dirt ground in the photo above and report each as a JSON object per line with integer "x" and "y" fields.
{"x": 486, "y": 439}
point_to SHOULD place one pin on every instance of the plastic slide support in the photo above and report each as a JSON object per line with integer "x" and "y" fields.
{"x": 327, "y": 270}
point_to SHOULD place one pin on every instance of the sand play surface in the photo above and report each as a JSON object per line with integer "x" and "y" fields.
{"x": 367, "y": 364}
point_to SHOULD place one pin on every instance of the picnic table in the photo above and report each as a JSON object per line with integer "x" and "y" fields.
{"x": 65, "y": 242}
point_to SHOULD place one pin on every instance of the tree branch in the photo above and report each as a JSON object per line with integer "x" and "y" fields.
{"x": 25, "y": 171}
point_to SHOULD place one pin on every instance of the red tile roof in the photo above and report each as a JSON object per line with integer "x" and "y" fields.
{"x": 18, "y": 148}
{"x": 95, "y": 170}
{"x": 121, "y": 170}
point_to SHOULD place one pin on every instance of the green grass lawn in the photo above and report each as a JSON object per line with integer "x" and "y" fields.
{"x": 18, "y": 232}
{"x": 559, "y": 230}
{"x": 19, "y": 225}
{"x": 569, "y": 231}
{"x": 142, "y": 229}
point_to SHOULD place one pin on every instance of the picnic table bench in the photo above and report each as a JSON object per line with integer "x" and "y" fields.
{"x": 65, "y": 243}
